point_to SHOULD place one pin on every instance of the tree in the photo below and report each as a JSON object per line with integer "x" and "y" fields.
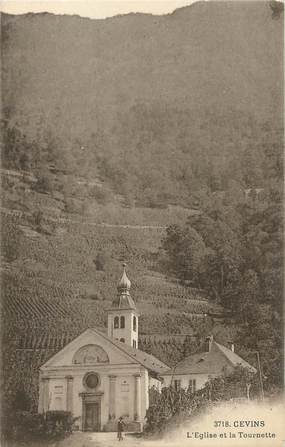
{"x": 173, "y": 406}
{"x": 186, "y": 250}
{"x": 10, "y": 241}
{"x": 240, "y": 383}
{"x": 44, "y": 183}
{"x": 189, "y": 346}
{"x": 206, "y": 251}
{"x": 241, "y": 266}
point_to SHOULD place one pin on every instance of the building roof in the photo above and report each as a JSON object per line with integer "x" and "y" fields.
{"x": 123, "y": 302}
{"x": 150, "y": 362}
{"x": 211, "y": 363}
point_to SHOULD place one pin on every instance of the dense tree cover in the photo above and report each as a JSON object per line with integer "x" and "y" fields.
{"x": 154, "y": 157}
{"x": 165, "y": 127}
{"x": 234, "y": 251}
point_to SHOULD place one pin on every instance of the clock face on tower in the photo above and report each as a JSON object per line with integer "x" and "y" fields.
{"x": 89, "y": 355}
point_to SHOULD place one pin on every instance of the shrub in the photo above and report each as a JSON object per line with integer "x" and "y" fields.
{"x": 10, "y": 241}
{"x": 37, "y": 218}
{"x": 44, "y": 184}
{"x": 170, "y": 407}
{"x": 24, "y": 425}
{"x": 101, "y": 261}
{"x": 58, "y": 423}
{"x": 101, "y": 195}
{"x": 74, "y": 206}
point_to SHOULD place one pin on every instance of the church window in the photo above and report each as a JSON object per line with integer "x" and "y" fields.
{"x": 91, "y": 380}
{"x": 122, "y": 322}
{"x": 89, "y": 354}
{"x": 122, "y": 340}
{"x": 116, "y": 322}
{"x": 134, "y": 344}
{"x": 134, "y": 324}
{"x": 192, "y": 385}
{"x": 125, "y": 387}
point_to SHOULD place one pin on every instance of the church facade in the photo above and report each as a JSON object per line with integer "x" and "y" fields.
{"x": 99, "y": 377}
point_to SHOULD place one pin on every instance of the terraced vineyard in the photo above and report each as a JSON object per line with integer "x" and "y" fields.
{"x": 53, "y": 288}
{"x": 54, "y": 282}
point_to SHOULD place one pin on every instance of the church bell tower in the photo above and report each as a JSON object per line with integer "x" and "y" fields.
{"x": 123, "y": 315}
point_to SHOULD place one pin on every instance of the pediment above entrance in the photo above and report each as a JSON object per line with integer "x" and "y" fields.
{"x": 90, "y": 348}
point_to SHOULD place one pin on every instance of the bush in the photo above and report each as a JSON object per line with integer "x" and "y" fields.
{"x": 58, "y": 423}
{"x": 44, "y": 184}
{"x": 24, "y": 425}
{"x": 74, "y": 206}
{"x": 10, "y": 242}
{"x": 101, "y": 195}
{"x": 101, "y": 261}
{"x": 171, "y": 407}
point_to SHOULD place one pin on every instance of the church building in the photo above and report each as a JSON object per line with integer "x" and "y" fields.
{"x": 99, "y": 377}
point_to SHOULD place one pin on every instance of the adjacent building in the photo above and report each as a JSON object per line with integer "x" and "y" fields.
{"x": 196, "y": 369}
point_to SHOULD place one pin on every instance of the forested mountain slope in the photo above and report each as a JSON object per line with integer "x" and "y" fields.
{"x": 157, "y": 106}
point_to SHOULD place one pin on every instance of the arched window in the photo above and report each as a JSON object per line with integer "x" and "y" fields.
{"x": 122, "y": 340}
{"x": 134, "y": 324}
{"x": 90, "y": 354}
{"x": 116, "y": 322}
{"x": 122, "y": 322}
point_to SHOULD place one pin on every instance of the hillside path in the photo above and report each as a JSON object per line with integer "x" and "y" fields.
{"x": 19, "y": 213}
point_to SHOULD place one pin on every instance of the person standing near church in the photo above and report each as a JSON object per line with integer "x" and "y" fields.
{"x": 121, "y": 426}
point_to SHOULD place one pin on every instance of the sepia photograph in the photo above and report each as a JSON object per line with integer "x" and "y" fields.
{"x": 142, "y": 203}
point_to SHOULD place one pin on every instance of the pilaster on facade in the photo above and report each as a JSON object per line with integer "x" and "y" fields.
{"x": 137, "y": 397}
{"x": 112, "y": 396}
{"x": 69, "y": 393}
{"x": 46, "y": 394}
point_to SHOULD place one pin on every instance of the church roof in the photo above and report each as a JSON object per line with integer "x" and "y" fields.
{"x": 123, "y": 302}
{"x": 212, "y": 362}
{"x": 147, "y": 360}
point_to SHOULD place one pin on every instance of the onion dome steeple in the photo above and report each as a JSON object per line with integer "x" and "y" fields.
{"x": 124, "y": 284}
{"x": 123, "y": 300}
